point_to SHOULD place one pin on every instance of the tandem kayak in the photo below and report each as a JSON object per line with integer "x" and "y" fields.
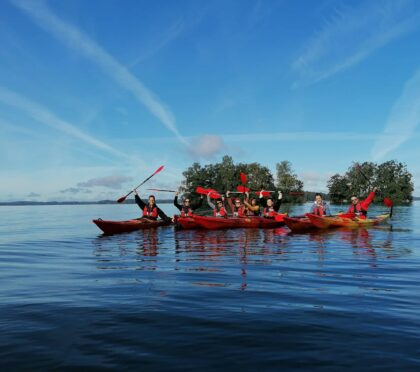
{"x": 297, "y": 224}
{"x": 117, "y": 227}
{"x": 215, "y": 223}
{"x": 326, "y": 222}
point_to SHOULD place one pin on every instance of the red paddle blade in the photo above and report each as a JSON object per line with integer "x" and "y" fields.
{"x": 242, "y": 188}
{"x": 388, "y": 202}
{"x": 201, "y": 190}
{"x": 158, "y": 170}
{"x": 264, "y": 193}
{"x": 120, "y": 200}
{"x": 214, "y": 195}
{"x": 296, "y": 193}
{"x": 243, "y": 178}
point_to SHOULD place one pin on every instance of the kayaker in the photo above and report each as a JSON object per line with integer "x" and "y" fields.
{"x": 360, "y": 208}
{"x": 219, "y": 209}
{"x": 150, "y": 211}
{"x": 271, "y": 208}
{"x": 252, "y": 206}
{"x": 237, "y": 208}
{"x": 187, "y": 208}
{"x": 320, "y": 207}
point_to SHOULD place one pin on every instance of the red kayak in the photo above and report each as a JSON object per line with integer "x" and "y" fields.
{"x": 117, "y": 227}
{"x": 299, "y": 224}
{"x": 186, "y": 223}
{"x": 215, "y": 223}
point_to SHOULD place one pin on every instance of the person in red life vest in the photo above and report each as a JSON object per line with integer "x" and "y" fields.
{"x": 320, "y": 207}
{"x": 252, "y": 206}
{"x": 219, "y": 209}
{"x": 360, "y": 208}
{"x": 187, "y": 208}
{"x": 237, "y": 208}
{"x": 150, "y": 211}
{"x": 271, "y": 208}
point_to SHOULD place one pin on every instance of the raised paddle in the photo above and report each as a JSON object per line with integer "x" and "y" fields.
{"x": 122, "y": 199}
{"x": 161, "y": 190}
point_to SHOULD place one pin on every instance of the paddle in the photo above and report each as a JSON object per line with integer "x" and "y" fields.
{"x": 161, "y": 190}
{"x": 122, "y": 199}
{"x": 212, "y": 193}
{"x": 242, "y": 189}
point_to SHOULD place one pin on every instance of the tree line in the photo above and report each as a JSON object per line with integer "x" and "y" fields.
{"x": 391, "y": 177}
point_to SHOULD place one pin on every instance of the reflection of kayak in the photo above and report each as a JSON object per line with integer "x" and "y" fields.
{"x": 299, "y": 224}
{"x": 117, "y": 227}
{"x": 214, "y": 223}
{"x": 186, "y": 223}
{"x": 339, "y": 221}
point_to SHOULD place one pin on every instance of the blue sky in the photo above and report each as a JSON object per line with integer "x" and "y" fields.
{"x": 94, "y": 96}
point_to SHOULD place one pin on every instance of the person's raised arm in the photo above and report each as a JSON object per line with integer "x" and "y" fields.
{"x": 210, "y": 203}
{"x": 139, "y": 202}
{"x": 179, "y": 206}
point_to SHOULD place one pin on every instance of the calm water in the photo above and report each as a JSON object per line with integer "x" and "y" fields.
{"x": 188, "y": 300}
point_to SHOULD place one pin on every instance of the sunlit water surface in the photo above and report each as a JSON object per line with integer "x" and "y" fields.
{"x": 186, "y": 300}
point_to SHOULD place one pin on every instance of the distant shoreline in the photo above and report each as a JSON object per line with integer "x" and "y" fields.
{"x": 34, "y": 203}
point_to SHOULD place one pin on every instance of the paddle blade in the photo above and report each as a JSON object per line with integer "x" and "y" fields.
{"x": 158, "y": 170}
{"x": 242, "y": 188}
{"x": 214, "y": 195}
{"x": 201, "y": 190}
{"x": 243, "y": 178}
{"x": 388, "y": 202}
{"x": 264, "y": 193}
{"x": 122, "y": 199}
{"x": 296, "y": 193}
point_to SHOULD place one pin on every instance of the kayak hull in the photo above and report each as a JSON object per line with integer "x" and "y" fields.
{"x": 186, "y": 223}
{"x": 326, "y": 222}
{"x": 299, "y": 224}
{"x": 216, "y": 223}
{"x": 118, "y": 227}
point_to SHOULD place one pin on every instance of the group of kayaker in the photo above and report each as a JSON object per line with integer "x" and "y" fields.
{"x": 265, "y": 207}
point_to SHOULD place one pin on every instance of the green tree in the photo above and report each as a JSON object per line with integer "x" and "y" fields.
{"x": 338, "y": 187}
{"x": 288, "y": 182}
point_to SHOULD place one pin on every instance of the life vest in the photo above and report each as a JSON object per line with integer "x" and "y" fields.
{"x": 150, "y": 211}
{"x": 238, "y": 212}
{"x": 358, "y": 210}
{"x": 186, "y": 212}
{"x": 319, "y": 210}
{"x": 269, "y": 212}
{"x": 249, "y": 212}
{"x": 220, "y": 213}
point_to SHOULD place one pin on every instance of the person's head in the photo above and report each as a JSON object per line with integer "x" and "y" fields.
{"x": 269, "y": 202}
{"x": 187, "y": 202}
{"x": 219, "y": 203}
{"x": 318, "y": 199}
{"x": 152, "y": 199}
{"x": 237, "y": 202}
{"x": 354, "y": 199}
{"x": 253, "y": 201}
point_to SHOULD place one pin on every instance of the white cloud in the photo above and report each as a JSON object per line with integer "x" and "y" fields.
{"x": 74, "y": 38}
{"x": 352, "y": 35}
{"x": 207, "y": 146}
{"x": 403, "y": 120}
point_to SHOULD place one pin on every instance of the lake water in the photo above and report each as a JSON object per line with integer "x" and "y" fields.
{"x": 189, "y": 300}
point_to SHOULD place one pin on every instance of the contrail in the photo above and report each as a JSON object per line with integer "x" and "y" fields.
{"x": 74, "y": 38}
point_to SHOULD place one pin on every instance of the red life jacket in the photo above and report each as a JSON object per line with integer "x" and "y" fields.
{"x": 319, "y": 210}
{"x": 358, "y": 210}
{"x": 150, "y": 212}
{"x": 220, "y": 213}
{"x": 269, "y": 212}
{"x": 186, "y": 212}
{"x": 238, "y": 212}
